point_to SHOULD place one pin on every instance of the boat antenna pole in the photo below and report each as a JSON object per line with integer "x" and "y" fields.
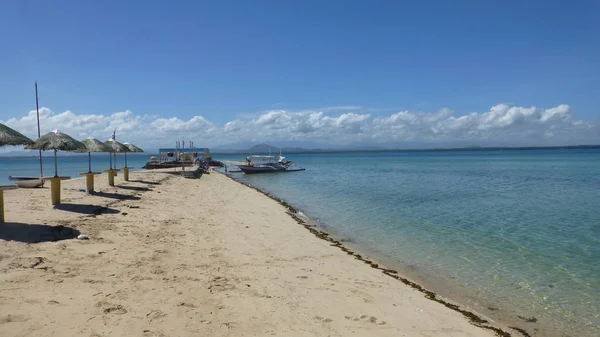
{"x": 37, "y": 109}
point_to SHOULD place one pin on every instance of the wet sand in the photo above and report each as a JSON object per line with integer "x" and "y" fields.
{"x": 169, "y": 256}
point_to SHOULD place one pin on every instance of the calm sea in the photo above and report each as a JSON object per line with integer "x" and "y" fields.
{"x": 508, "y": 233}
{"x": 67, "y": 166}
{"x": 511, "y": 233}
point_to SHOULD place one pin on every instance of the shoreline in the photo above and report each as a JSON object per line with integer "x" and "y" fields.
{"x": 232, "y": 272}
{"x": 474, "y": 318}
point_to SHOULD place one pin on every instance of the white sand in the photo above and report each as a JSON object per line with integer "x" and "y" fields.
{"x": 207, "y": 257}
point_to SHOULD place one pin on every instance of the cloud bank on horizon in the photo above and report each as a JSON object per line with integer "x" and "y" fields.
{"x": 502, "y": 125}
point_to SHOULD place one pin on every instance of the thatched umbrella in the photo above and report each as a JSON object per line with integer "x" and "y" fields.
{"x": 10, "y": 137}
{"x": 116, "y": 147}
{"x": 56, "y": 141}
{"x": 94, "y": 145}
{"x": 132, "y": 148}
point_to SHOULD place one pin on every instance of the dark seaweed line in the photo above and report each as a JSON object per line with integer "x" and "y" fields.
{"x": 473, "y": 318}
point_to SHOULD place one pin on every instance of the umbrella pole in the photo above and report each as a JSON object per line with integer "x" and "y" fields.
{"x": 111, "y": 172}
{"x": 125, "y": 159}
{"x": 110, "y": 159}
{"x": 55, "y": 164}
{"x": 37, "y": 108}
{"x": 90, "y": 162}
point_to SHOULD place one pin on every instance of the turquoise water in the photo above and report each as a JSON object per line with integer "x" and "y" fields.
{"x": 67, "y": 166}
{"x": 519, "y": 230}
{"x": 513, "y": 230}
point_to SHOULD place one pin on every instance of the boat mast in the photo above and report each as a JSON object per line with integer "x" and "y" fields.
{"x": 37, "y": 108}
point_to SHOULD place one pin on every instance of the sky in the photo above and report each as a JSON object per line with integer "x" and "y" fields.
{"x": 307, "y": 73}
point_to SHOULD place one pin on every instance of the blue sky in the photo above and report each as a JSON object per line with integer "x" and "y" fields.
{"x": 225, "y": 60}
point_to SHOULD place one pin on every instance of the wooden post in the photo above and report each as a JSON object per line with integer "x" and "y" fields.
{"x": 2, "y": 188}
{"x": 1, "y": 206}
{"x": 55, "y": 190}
{"x": 111, "y": 173}
{"x": 111, "y": 178}
{"x": 89, "y": 183}
{"x": 89, "y": 180}
{"x": 126, "y": 173}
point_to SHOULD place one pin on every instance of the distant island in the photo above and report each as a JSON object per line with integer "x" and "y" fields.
{"x": 264, "y": 149}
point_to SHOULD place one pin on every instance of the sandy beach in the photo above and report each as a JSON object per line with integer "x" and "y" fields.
{"x": 169, "y": 256}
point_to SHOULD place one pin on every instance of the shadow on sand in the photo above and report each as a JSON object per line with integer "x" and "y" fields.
{"x": 118, "y": 196}
{"x": 86, "y": 209}
{"x": 134, "y": 188}
{"x": 145, "y": 182}
{"x": 27, "y": 233}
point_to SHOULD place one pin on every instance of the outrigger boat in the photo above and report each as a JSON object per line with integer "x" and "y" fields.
{"x": 27, "y": 182}
{"x": 268, "y": 164}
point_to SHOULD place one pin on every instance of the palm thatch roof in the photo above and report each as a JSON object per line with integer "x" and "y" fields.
{"x": 10, "y": 137}
{"x": 56, "y": 140}
{"x": 133, "y": 148}
{"x": 95, "y": 145}
{"x": 116, "y": 146}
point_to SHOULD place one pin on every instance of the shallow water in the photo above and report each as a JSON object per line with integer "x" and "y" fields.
{"x": 519, "y": 229}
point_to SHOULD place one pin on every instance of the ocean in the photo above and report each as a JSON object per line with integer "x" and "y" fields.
{"x": 512, "y": 234}
{"x": 67, "y": 165}
{"x": 508, "y": 233}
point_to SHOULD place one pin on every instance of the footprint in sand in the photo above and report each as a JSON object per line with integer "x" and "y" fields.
{"x": 155, "y": 314}
{"x": 366, "y": 318}
{"x": 323, "y": 319}
{"x": 220, "y": 284}
{"x": 92, "y": 281}
{"x": 109, "y": 308}
{"x": 185, "y": 304}
{"x": 13, "y": 318}
{"x": 150, "y": 333}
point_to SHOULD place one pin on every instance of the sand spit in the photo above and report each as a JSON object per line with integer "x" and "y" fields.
{"x": 169, "y": 256}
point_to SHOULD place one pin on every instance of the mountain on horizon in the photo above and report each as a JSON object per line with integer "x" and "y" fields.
{"x": 266, "y": 149}
{"x": 262, "y": 149}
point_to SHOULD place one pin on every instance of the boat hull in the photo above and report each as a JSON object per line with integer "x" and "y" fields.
{"x": 260, "y": 169}
{"x": 30, "y": 183}
{"x": 266, "y": 169}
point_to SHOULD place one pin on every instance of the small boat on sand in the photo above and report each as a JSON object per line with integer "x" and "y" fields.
{"x": 27, "y": 182}
{"x": 268, "y": 164}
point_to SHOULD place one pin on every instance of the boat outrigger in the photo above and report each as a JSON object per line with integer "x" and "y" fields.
{"x": 267, "y": 164}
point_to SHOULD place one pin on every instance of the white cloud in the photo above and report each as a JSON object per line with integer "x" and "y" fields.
{"x": 196, "y": 123}
{"x": 502, "y": 124}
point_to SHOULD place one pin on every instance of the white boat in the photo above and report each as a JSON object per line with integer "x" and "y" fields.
{"x": 267, "y": 164}
{"x": 30, "y": 183}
